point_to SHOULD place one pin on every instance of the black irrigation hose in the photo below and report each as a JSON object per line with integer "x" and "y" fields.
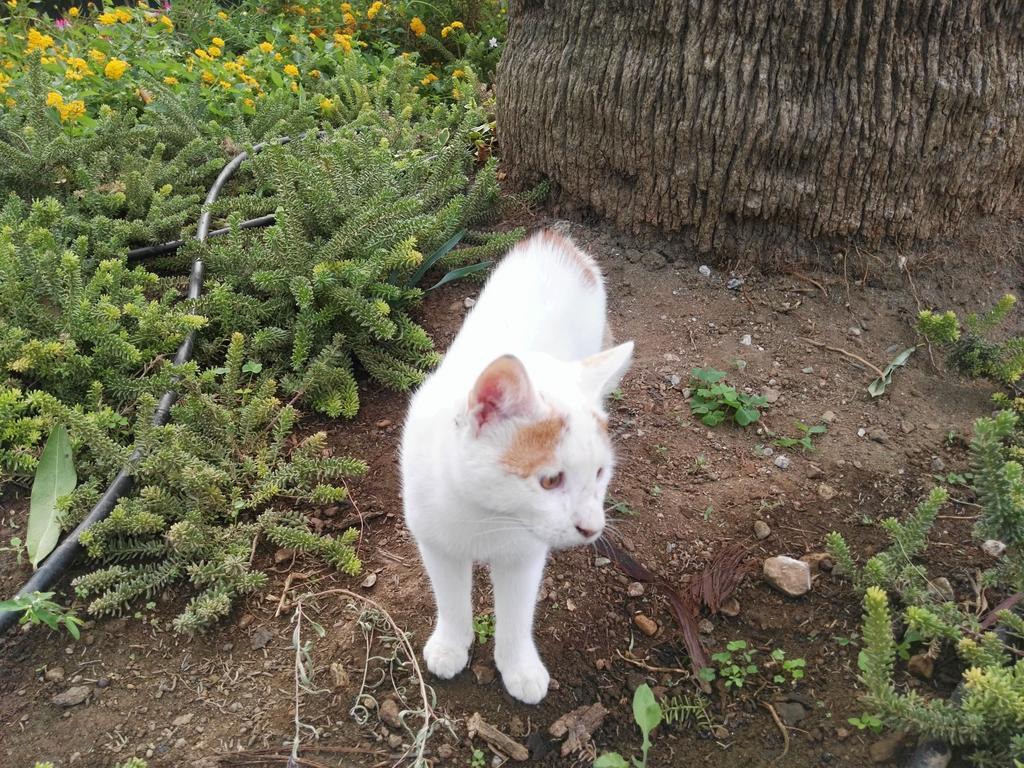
{"x": 60, "y": 559}
{"x": 150, "y": 251}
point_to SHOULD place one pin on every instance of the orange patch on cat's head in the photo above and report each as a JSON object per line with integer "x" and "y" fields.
{"x": 533, "y": 446}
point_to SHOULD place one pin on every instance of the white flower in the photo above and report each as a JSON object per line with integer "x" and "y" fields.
{"x": 493, "y": 42}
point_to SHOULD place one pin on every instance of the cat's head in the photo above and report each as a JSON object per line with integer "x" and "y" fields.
{"x": 536, "y": 449}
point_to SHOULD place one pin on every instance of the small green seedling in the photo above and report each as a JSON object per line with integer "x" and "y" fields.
{"x": 805, "y": 441}
{"x": 17, "y": 547}
{"x": 714, "y": 401}
{"x": 617, "y": 507}
{"x": 794, "y": 668}
{"x": 483, "y": 627}
{"x": 616, "y": 395}
{"x": 700, "y": 465}
{"x": 38, "y": 608}
{"x": 866, "y": 722}
{"x": 655, "y": 491}
{"x": 479, "y": 759}
{"x": 955, "y": 478}
{"x": 648, "y": 715}
{"x": 735, "y": 664}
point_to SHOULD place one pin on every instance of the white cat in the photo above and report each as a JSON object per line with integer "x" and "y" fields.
{"x": 505, "y": 453}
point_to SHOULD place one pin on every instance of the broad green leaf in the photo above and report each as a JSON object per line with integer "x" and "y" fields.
{"x": 877, "y": 387}
{"x": 745, "y": 416}
{"x": 461, "y": 272}
{"x": 435, "y": 257}
{"x": 647, "y": 713}
{"x": 55, "y": 477}
{"x": 252, "y": 367}
{"x": 610, "y": 760}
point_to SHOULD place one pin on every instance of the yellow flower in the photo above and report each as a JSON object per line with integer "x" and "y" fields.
{"x": 278, "y": 57}
{"x": 417, "y": 26}
{"x": 457, "y": 25}
{"x": 456, "y": 94}
{"x": 218, "y": 42}
{"x": 107, "y": 18}
{"x": 54, "y": 99}
{"x": 73, "y": 11}
{"x": 203, "y": 54}
{"x": 266, "y": 47}
{"x": 430, "y": 78}
{"x": 170, "y": 80}
{"x": 38, "y": 41}
{"x": 344, "y": 42}
{"x": 326, "y": 105}
{"x": 214, "y": 51}
{"x": 72, "y": 110}
{"x": 295, "y": 87}
{"x": 208, "y": 76}
{"x": 346, "y": 7}
{"x": 314, "y": 73}
{"x": 291, "y": 70}
{"x": 349, "y": 19}
{"x": 222, "y": 16}
{"x": 294, "y": 39}
{"x": 374, "y": 9}
{"x": 457, "y": 74}
{"x": 115, "y": 68}
{"x": 48, "y": 60}
{"x": 225, "y": 85}
{"x": 166, "y": 21}
{"x": 249, "y": 103}
{"x": 122, "y": 15}
{"x": 445, "y": 31}
{"x": 80, "y": 64}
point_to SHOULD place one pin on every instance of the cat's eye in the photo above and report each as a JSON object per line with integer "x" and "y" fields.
{"x": 550, "y": 482}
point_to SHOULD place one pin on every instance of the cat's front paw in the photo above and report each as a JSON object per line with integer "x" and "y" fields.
{"x": 445, "y": 658}
{"x": 526, "y": 681}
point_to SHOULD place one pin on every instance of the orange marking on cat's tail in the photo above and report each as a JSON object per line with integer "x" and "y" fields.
{"x": 570, "y": 253}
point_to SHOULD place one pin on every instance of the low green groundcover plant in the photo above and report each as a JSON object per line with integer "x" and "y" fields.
{"x": 715, "y": 401}
{"x": 989, "y": 720}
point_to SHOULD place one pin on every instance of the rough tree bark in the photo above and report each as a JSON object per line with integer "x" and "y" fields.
{"x": 750, "y": 122}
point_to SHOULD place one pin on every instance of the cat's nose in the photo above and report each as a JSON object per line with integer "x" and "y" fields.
{"x": 586, "y": 533}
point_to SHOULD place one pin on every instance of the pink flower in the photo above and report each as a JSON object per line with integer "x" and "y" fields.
{"x": 167, "y": 5}
{"x": 62, "y": 23}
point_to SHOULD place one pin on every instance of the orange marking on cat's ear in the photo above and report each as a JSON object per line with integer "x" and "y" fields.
{"x": 533, "y": 446}
{"x": 572, "y": 255}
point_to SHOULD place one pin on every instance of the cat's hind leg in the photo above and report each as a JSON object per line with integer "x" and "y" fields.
{"x": 516, "y": 582}
{"x": 447, "y": 650}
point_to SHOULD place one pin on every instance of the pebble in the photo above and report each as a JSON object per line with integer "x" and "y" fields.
{"x": 72, "y": 697}
{"x": 921, "y": 665}
{"x": 942, "y": 589}
{"x": 635, "y": 589}
{"x": 646, "y": 625}
{"x": 790, "y": 712}
{"x": 782, "y": 461}
{"x": 761, "y": 530}
{"x": 705, "y": 627}
{"x": 600, "y": 562}
{"x": 826, "y": 492}
{"x": 809, "y": 369}
{"x": 735, "y": 283}
{"x": 182, "y": 720}
{"x": 705, "y": 270}
{"x": 747, "y": 340}
{"x": 730, "y": 607}
{"x": 938, "y": 465}
{"x": 445, "y": 752}
{"x": 933, "y": 425}
{"x": 103, "y": 682}
{"x": 855, "y": 331}
{"x": 339, "y": 675}
{"x": 389, "y": 714}
{"x": 469, "y": 302}
{"x": 181, "y": 743}
{"x": 369, "y": 581}
{"x": 383, "y": 424}
{"x": 829, "y": 417}
{"x": 789, "y": 576}
{"x": 260, "y": 638}
{"x": 887, "y": 747}
{"x": 878, "y": 435}
{"x": 907, "y": 427}
{"x": 814, "y": 472}
{"x": 818, "y": 561}
{"x": 484, "y": 673}
{"x": 772, "y": 395}
{"x": 54, "y": 674}
{"x": 991, "y": 547}
{"x": 394, "y": 741}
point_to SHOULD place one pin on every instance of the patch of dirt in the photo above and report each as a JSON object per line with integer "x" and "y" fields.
{"x": 689, "y": 490}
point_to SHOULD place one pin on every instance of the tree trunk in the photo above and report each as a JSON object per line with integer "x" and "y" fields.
{"x": 769, "y": 122}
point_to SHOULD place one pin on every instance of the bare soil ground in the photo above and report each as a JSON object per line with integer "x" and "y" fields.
{"x": 228, "y": 697}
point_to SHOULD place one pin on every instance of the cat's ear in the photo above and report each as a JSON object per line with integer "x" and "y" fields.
{"x": 601, "y": 373}
{"x": 502, "y": 391}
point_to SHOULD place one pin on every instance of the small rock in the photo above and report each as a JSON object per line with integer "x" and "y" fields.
{"x": 814, "y": 472}
{"x": 72, "y": 697}
{"x": 842, "y": 734}
{"x": 103, "y": 682}
{"x": 383, "y": 423}
{"x": 654, "y": 260}
{"x": 369, "y": 581}
{"x": 933, "y": 425}
{"x": 484, "y": 674}
{"x": 705, "y": 270}
{"x": 730, "y": 607}
{"x": 772, "y": 395}
{"x": 705, "y": 627}
{"x": 855, "y": 331}
{"x": 886, "y": 748}
{"x": 635, "y": 589}
{"x": 878, "y": 435}
{"x": 818, "y": 561}
{"x": 921, "y": 665}
{"x": 809, "y": 369}
{"x": 600, "y": 562}
{"x": 54, "y": 674}
{"x": 907, "y": 427}
{"x": 181, "y": 743}
{"x": 469, "y": 302}
{"x": 991, "y": 547}
{"x": 829, "y": 417}
{"x": 735, "y": 283}
{"x": 761, "y": 530}
{"x": 782, "y": 461}
{"x": 389, "y": 714}
{"x": 942, "y": 589}
{"x": 570, "y": 604}
{"x": 182, "y": 720}
{"x": 790, "y": 712}
{"x": 282, "y": 555}
{"x": 747, "y": 340}
{"x": 394, "y": 741}
{"x": 826, "y": 492}
{"x": 260, "y": 638}
{"x": 246, "y": 620}
{"x": 789, "y": 576}
{"x": 445, "y": 752}
{"x": 646, "y": 625}
{"x": 340, "y": 676}
{"x": 938, "y": 465}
